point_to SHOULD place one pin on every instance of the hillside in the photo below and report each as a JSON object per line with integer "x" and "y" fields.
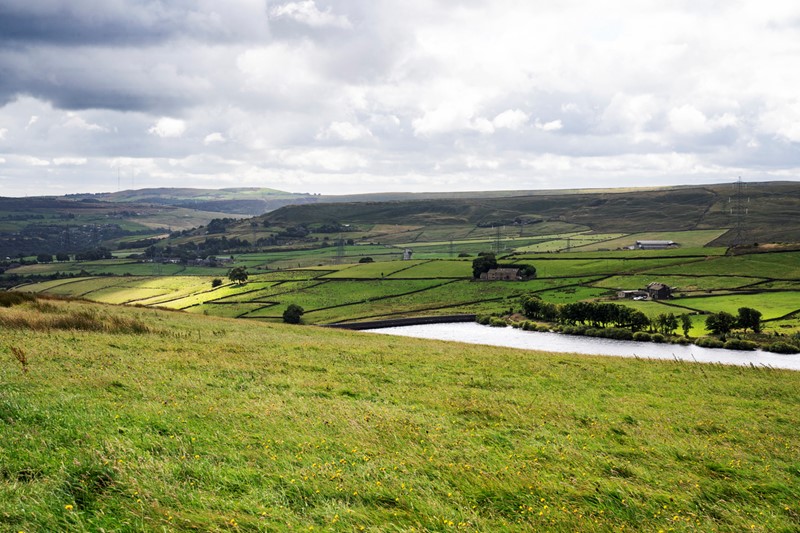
{"x": 773, "y": 211}
{"x": 243, "y": 201}
{"x": 115, "y": 418}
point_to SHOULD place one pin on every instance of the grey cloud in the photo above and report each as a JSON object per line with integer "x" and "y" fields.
{"x": 114, "y": 22}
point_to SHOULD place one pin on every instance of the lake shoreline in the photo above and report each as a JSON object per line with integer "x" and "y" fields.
{"x": 474, "y": 333}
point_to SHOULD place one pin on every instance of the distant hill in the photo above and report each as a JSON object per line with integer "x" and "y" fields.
{"x": 772, "y": 210}
{"x": 246, "y": 201}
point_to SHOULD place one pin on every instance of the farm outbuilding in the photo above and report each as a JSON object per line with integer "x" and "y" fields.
{"x": 655, "y": 245}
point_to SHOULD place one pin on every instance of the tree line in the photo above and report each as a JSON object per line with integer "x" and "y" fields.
{"x": 603, "y": 315}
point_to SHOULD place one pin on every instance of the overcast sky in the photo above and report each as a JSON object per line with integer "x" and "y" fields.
{"x": 397, "y": 95}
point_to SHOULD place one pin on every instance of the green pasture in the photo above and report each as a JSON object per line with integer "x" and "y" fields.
{"x": 226, "y": 310}
{"x": 339, "y": 293}
{"x": 687, "y": 253}
{"x": 779, "y": 265}
{"x": 772, "y": 304}
{"x": 561, "y": 242}
{"x": 684, "y": 239}
{"x": 547, "y": 268}
{"x": 268, "y": 293}
{"x": 46, "y": 286}
{"x": 372, "y": 270}
{"x": 681, "y": 283}
{"x": 460, "y": 296}
{"x": 437, "y": 269}
{"x": 566, "y": 295}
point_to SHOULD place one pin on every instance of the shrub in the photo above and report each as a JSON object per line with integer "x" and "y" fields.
{"x": 366, "y": 260}
{"x": 619, "y": 334}
{"x": 709, "y": 342}
{"x": 497, "y": 322}
{"x": 543, "y": 329}
{"x": 216, "y": 282}
{"x": 9, "y": 299}
{"x": 740, "y": 344}
{"x": 642, "y": 336}
{"x": 683, "y": 341}
{"x": 483, "y": 319}
{"x": 293, "y": 313}
{"x": 593, "y": 332}
{"x": 782, "y": 347}
{"x": 658, "y": 337}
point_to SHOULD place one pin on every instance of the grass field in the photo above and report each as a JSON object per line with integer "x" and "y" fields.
{"x": 781, "y": 265}
{"x": 684, "y": 239}
{"x": 771, "y": 305}
{"x": 209, "y": 424}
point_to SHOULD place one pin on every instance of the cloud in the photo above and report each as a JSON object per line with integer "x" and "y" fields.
{"x": 71, "y": 161}
{"x": 342, "y": 96}
{"x": 553, "y": 125}
{"x": 344, "y": 131}
{"x": 512, "y": 119}
{"x": 307, "y": 12}
{"x": 3, "y": 132}
{"x": 214, "y": 138}
{"x": 168, "y": 128}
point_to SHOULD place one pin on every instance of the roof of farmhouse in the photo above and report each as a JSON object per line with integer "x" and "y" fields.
{"x": 655, "y": 242}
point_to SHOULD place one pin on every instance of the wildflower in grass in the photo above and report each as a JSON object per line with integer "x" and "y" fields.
{"x": 68, "y": 507}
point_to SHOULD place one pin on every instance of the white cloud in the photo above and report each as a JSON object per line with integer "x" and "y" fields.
{"x": 553, "y": 125}
{"x": 308, "y": 13}
{"x": 512, "y": 119}
{"x": 168, "y": 128}
{"x": 214, "y": 138}
{"x": 3, "y": 132}
{"x": 687, "y": 119}
{"x": 73, "y": 120}
{"x": 344, "y": 131}
{"x": 69, "y": 161}
{"x": 36, "y": 162}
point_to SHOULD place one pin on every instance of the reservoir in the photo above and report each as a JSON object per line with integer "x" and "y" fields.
{"x": 474, "y": 333}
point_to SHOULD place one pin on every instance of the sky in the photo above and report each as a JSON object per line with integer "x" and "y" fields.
{"x": 352, "y": 96}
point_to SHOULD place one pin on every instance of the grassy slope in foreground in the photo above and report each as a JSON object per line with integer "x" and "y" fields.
{"x": 219, "y": 425}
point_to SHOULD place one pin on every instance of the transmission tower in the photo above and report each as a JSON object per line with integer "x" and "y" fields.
{"x": 739, "y": 211}
{"x": 497, "y": 240}
{"x": 339, "y": 250}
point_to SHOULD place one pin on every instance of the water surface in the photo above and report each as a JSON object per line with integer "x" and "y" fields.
{"x": 474, "y": 333}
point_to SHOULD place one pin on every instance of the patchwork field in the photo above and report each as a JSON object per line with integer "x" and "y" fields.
{"x": 381, "y": 289}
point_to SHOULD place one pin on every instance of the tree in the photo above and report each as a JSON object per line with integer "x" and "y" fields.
{"x": 666, "y": 323}
{"x": 749, "y": 318}
{"x": 686, "y": 324}
{"x": 720, "y": 323}
{"x": 483, "y": 263}
{"x": 216, "y": 282}
{"x": 366, "y": 260}
{"x": 62, "y": 256}
{"x": 238, "y": 275}
{"x": 44, "y": 258}
{"x": 292, "y": 314}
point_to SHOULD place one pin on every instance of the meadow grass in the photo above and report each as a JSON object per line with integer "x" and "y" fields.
{"x": 685, "y": 239}
{"x": 771, "y": 305}
{"x": 217, "y": 425}
{"x": 780, "y": 265}
{"x": 681, "y": 283}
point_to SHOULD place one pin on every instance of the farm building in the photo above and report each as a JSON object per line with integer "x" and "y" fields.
{"x": 634, "y": 294}
{"x": 407, "y": 254}
{"x": 658, "y": 291}
{"x": 655, "y": 245}
{"x": 502, "y": 274}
